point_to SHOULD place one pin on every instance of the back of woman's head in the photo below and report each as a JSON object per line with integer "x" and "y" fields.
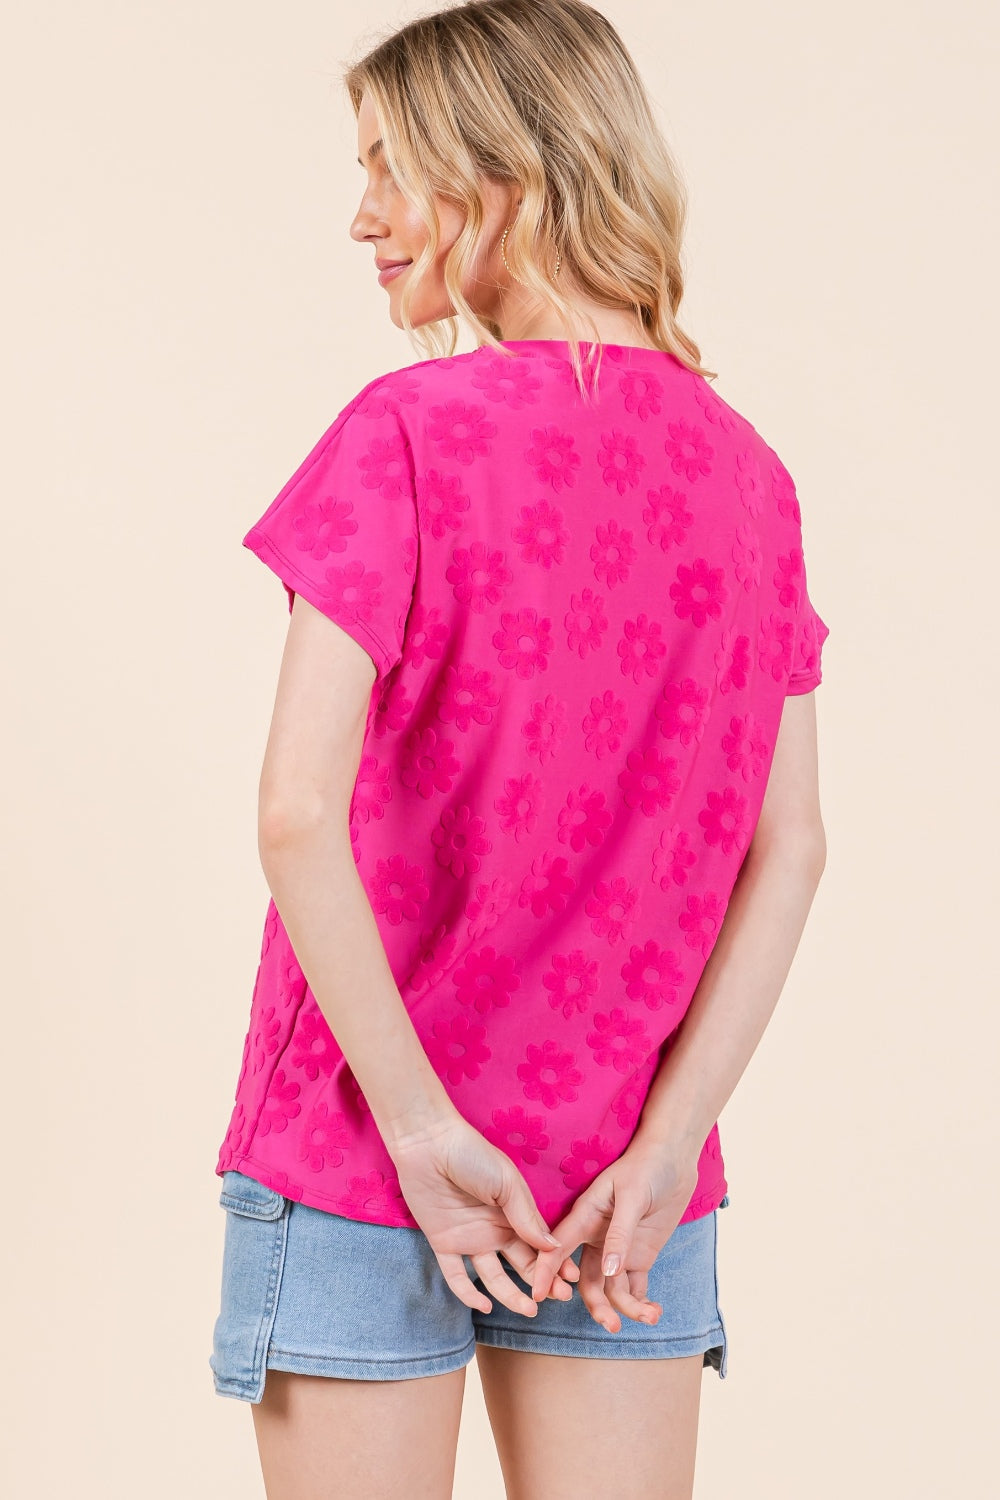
{"x": 541, "y": 95}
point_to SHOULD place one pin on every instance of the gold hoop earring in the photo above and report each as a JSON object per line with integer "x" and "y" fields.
{"x": 503, "y": 253}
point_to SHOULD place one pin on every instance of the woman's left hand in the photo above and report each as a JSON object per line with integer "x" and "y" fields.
{"x": 471, "y": 1201}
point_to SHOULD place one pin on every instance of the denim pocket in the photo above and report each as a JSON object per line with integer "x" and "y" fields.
{"x": 253, "y": 1258}
{"x": 245, "y": 1195}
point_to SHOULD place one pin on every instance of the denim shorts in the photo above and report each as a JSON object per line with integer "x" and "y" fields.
{"x": 313, "y": 1292}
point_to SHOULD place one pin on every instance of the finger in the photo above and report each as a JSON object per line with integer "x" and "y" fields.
{"x": 545, "y": 1273}
{"x": 523, "y": 1217}
{"x": 545, "y": 1276}
{"x": 626, "y": 1215}
{"x": 570, "y": 1232}
{"x": 593, "y": 1291}
{"x": 566, "y": 1275}
{"x": 524, "y": 1258}
{"x": 568, "y": 1270}
{"x": 581, "y": 1224}
{"x": 625, "y": 1300}
{"x": 639, "y": 1283}
{"x": 454, "y": 1272}
{"x": 493, "y": 1275}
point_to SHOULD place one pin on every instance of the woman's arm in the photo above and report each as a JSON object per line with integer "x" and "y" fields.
{"x": 747, "y": 968}
{"x": 466, "y": 1194}
{"x": 307, "y": 782}
{"x": 313, "y": 878}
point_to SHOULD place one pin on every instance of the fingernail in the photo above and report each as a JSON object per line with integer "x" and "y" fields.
{"x": 552, "y": 1239}
{"x": 612, "y": 1265}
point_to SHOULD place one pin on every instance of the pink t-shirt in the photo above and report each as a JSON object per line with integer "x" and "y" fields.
{"x": 584, "y": 623}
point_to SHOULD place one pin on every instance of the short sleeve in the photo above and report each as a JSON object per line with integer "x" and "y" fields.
{"x": 342, "y": 532}
{"x": 811, "y": 631}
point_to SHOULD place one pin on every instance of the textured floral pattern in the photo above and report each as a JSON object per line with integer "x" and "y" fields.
{"x": 584, "y": 624}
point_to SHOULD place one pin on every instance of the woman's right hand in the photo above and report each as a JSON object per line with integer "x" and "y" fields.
{"x": 630, "y": 1210}
{"x": 471, "y": 1201}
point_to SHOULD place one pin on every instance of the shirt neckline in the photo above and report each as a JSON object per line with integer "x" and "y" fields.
{"x": 584, "y": 344}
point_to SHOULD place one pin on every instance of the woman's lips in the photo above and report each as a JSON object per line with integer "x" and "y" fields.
{"x": 392, "y": 271}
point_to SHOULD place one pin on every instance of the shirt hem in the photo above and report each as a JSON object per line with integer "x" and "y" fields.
{"x": 278, "y": 1182}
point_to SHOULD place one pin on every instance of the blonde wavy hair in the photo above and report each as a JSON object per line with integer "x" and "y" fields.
{"x": 541, "y": 94}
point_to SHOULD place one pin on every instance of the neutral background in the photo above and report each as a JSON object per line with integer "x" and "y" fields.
{"x": 186, "y": 314}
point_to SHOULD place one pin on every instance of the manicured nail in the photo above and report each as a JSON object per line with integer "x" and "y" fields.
{"x": 552, "y": 1239}
{"x": 612, "y": 1265}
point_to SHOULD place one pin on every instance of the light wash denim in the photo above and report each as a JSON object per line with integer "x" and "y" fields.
{"x": 316, "y": 1293}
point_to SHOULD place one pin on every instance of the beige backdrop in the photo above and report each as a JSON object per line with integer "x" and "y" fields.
{"x": 187, "y": 313}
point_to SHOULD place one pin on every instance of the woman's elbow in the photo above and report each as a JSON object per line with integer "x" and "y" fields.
{"x": 800, "y": 842}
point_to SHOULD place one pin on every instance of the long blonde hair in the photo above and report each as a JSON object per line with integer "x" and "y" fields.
{"x": 544, "y": 95}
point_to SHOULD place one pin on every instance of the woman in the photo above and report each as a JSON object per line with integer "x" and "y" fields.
{"x": 550, "y": 640}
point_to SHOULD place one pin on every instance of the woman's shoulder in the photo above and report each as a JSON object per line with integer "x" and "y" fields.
{"x": 397, "y": 392}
